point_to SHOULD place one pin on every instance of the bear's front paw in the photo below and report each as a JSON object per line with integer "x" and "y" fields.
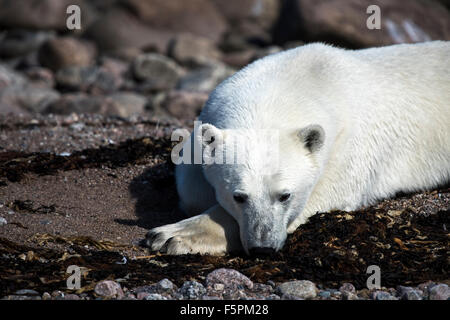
{"x": 192, "y": 235}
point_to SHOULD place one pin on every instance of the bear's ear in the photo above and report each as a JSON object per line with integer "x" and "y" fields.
{"x": 210, "y": 139}
{"x": 313, "y": 137}
{"x": 207, "y": 134}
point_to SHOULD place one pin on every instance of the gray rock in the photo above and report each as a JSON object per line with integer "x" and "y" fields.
{"x": 178, "y": 103}
{"x": 109, "y": 289}
{"x": 26, "y": 292}
{"x": 9, "y": 77}
{"x": 130, "y": 296}
{"x": 154, "y": 296}
{"x": 147, "y": 289}
{"x": 71, "y": 296}
{"x": 3, "y": 221}
{"x": 262, "y": 289}
{"x": 324, "y": 294}
{"x": 112, "y": 37}
{"x": 303, "y": 289}
{"x": 157, "y": 71}
{"x": 128, "y": 103}
{"x": 425, "y": 286}
{"x": 91, "y": 79}
{"x": 347, "y": 287}
{"x": 63, "y": 52}
{"x": 192, "y": 290}
{"x": 336, "y": 19}
{"x": 347, "y": 295}
{"x": 382, "y": 295}
{"x": 141, "y": 295}
{"x": 46, "y": 296}
{"x": 19, "y": 297}
{"x": 165, "y": 285}
{"x": 32, "y": 99}
{"x": 439, "y": 292}
{"x": 40, "y": 77}
{"x": 205, "y": 79}
{"x": 200, "y": 17}
{"x": 231, "y": 279}
{"x": 190, "y": 50}
{"x": 288, "y": 296}
{"x": 409, "y": 293}
{"x": 58, "y": 295}
{"x": 210, "y": 298}
{"x": 335, "y": 293}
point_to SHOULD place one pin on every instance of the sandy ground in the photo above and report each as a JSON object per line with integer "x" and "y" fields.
{"x": 90, "y": 185}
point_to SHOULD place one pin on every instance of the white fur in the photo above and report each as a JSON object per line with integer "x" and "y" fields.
{"x": 386, "y": 117}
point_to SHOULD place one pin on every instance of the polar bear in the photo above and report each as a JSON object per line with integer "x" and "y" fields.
{"x": 354, "y": 127}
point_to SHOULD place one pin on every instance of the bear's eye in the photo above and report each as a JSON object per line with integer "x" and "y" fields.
{"x": 284, "y": 197}
{"x": 240, "y": 197}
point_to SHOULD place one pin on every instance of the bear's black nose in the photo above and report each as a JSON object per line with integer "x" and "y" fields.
{"x": 261, "y": 251}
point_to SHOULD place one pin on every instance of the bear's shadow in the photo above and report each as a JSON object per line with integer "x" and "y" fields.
{"x": 156, "y": 198}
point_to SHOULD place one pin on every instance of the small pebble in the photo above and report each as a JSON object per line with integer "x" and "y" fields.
{"x": 141, "y": 295}
{"x": 439, "y": 292}
{"x": 303, "y": 289}
{"x": 381, "y": 295}
{"x": 324, "y": 294}
{"x": 409, "y": 293}
{"x": 3, "y": 221}
{"x": 347, "y": 295}
{"x": 58, "y": 295}
{"x": 108, "y": 289}
{"x": 347, "y": 287}
{"x": 231, "y": 279}
{"x": 165, "y": 285}
{"x": 71, "y": 296}
{"x": 26, "y": 292}
{"x": 154, "y": 296}
{"x": 46, "y": 296}
{"x": 288, "y": 296}
{"x": 192, "y": 290}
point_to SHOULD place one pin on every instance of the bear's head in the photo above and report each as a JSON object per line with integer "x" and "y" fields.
{"x": 263, "y": 178}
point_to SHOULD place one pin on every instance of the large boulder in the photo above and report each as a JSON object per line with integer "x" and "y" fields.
{"x": 345, "y": 22}
{"x": 119, "y": 32}
{"x": 195, "y": 16}
{"x": 157, "y": 71}
{"x": 178, "y": 103}
{"x": 63, "y": 52}
{"x": 92, "y": 79}
{"x": 206, "y": 78}
{"x": 191, "y": 50}
{"x": 24, "y": 99}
